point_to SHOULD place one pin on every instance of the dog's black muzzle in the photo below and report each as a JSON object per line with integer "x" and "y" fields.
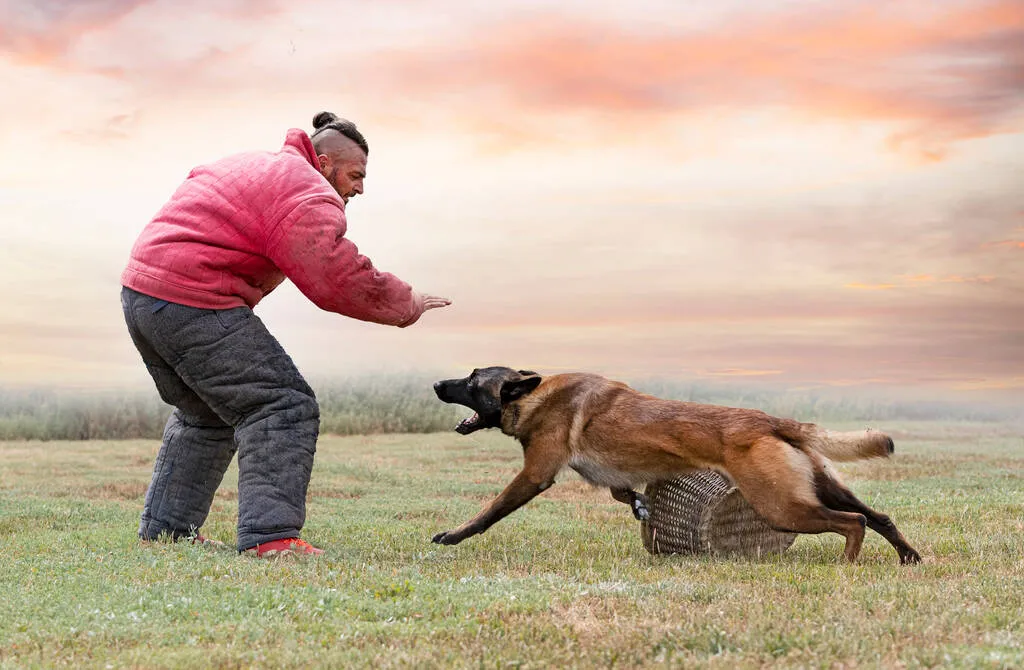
{"x": 454, "y": 391}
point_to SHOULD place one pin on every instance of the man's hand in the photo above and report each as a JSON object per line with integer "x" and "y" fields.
{"x": 434, "y": 301}
{"x": 425, "y": 302}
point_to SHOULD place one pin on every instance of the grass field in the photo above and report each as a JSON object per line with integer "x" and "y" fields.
{"x": 564, "y": 582}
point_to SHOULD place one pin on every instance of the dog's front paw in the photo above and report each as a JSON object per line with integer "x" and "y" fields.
{"x": 447, "y": 537}
{"x": 909, "y": 557}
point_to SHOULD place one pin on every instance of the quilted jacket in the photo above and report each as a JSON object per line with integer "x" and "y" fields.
{"x": 236, "y": 228}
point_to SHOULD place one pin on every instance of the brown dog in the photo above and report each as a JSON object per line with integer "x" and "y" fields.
{"x": 617, "y": 437}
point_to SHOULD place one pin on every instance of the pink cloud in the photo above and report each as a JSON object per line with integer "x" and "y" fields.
{"x": 42, "y": 33}
{"x": 941, "y": 73}
{"x": 740, "y": 372}
{"x": 950, "y": 279}
{"x": 45, "y": 34}
{"x": 919, "y": 280}
{"x": 870, "y": 287}
{"x": 934, "y": 74}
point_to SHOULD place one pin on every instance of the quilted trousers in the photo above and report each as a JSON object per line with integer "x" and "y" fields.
{"x": 234, "y": 390}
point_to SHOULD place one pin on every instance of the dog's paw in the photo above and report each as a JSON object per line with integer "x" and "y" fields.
{"x": 640, "y": 510}
{"x": 447, "y": 537}
{"x": 910, "y": 557}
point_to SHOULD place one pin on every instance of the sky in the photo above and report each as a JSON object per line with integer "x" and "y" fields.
{"x": 807, "y": 194}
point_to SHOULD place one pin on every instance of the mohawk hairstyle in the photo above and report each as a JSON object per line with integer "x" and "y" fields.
{"x": 330, "y": 121}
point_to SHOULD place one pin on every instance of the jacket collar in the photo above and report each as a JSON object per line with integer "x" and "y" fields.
{"x": 298, "y": 142}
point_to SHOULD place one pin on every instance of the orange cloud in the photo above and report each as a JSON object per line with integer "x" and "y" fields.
{"x": 942, "y": 73}
{"x": 740, "y": 372}
{"x": 42, "y": 33}
{"x": 951, "y": 279}
{"x": 870, "y": 287}
{"x": 115, "y": 127}
{"x": 997, "y": 384}
{"x": 858, "y": 381}
{"x": 957, "y": 279}
{"x": 922, "y": 279}
{"x": 933, "y": 74}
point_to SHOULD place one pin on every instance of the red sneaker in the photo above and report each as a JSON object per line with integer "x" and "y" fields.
{"x": 285, "y": 547}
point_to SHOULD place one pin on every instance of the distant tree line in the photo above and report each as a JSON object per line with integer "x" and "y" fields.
{"x": 406, "y": 404}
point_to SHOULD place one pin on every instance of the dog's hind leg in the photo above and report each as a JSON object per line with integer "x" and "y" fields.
{"x": 790, "y": 514}
{"x": 777, "y": 480}
{"x": 835, "y": 495}
{"x": 637, "y": 502}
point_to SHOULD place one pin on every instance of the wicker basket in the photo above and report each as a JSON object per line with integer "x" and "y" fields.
{"x": 703, "y": 512}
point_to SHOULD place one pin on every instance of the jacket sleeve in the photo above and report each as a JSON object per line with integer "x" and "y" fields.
{"x": 309, "y": 246}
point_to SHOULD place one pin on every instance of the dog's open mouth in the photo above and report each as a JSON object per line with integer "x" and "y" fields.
{"x": 467, "y": 426}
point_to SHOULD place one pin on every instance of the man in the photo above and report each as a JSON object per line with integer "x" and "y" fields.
{"x": 231, "y": 233}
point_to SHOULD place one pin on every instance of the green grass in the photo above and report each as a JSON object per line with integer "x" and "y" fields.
{"x": 564, "y": 582}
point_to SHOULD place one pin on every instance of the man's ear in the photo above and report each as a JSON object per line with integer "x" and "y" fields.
{"x": 324, "y": 161}
{"x": 514, "y": 390}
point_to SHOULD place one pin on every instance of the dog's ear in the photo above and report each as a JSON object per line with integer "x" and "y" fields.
{"x": 527, "y": 373}
{"x": 514, "y": 390}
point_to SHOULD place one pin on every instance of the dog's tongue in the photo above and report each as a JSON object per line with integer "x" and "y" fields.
{"x": 467, "y": 425}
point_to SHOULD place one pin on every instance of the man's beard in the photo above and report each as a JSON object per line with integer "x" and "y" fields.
{"x": 332, "y": 179}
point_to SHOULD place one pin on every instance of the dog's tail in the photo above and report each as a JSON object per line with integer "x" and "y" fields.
{"x": 838, "y": 446}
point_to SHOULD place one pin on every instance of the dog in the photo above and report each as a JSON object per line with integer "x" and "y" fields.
{"x": 617, "y": 437}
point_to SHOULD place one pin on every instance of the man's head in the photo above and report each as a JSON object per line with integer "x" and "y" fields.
{"x": 341, "y": 150}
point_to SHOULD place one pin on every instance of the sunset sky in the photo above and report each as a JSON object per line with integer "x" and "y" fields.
{"x": 809, "y": 194}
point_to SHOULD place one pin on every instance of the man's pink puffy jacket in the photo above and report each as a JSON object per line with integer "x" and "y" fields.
{"x": 236, "y": 228}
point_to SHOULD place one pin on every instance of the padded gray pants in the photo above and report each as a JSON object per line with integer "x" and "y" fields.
{"x": 234, "y": 389}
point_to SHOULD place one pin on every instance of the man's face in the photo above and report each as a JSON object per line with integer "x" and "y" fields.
{"x": 345, "y": 170}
